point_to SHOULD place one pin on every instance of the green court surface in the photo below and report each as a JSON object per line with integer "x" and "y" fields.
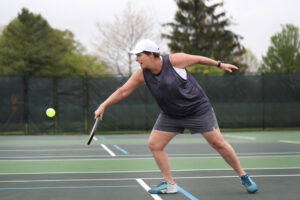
{"x": 113, "y": 166}
{"x": 141, "y": 164}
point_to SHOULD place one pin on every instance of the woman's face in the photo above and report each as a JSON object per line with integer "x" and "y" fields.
{"x": 144, "y": 60}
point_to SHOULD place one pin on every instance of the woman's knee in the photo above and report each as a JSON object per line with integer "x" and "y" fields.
{"x": 215, "y": 139}
{"x": 218, "y": 143}
{"x": 154, "y": 146}
{"x": 159, "y": 139}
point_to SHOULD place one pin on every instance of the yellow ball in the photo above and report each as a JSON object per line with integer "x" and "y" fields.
{"x": 50, "y": 112}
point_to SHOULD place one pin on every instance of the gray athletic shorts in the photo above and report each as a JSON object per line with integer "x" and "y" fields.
{"x": 201, "y": 124}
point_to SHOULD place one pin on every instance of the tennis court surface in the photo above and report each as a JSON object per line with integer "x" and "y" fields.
{"x": 121, "y": 167}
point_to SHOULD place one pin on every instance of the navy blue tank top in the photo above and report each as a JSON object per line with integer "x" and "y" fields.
{"x": 175, "y": 96}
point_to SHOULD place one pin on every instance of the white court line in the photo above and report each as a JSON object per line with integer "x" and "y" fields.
{"x": 290, "y": 142}
{"x": 47, "y": 150}
{"x": 94, "y": 138}
{"x": 240, "y": 137}
{"x": 150, "y": 158}
{"x": 55, "y": 157}
{"x": 150, "y": 155}
{"x": 146, "y": 187}
{"x": 108, "y": 150}
{"x": 151, "y": 178}
{"x": 148, "y": 171}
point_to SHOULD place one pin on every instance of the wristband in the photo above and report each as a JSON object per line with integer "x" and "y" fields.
{"x": 219, "y": 64}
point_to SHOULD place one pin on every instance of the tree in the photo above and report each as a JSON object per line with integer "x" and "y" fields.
{"x": 250, "y": 62}
{"x": 205, "y": 70}
{"x": 29, "y": 46}
{"x": 75, "y": 62}
{"x": 1, "y": 29}
{"x": 117, "y": 38}
{"x": 78, "y": 64}
{"x": 283, "y": 55}
{"x": 200, "y": 29}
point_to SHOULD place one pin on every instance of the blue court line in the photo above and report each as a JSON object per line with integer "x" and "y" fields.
{"x": 187, "y": 194}
{"x": 70, "y": 187}
{"x": 120, "y": 149}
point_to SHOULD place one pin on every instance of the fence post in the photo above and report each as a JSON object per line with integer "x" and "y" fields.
{"x": 86, "y": 103}
{"x": 263, "y": 99}
{"x": 25, "y": 90}
{"x": 146, "y": 109}
{"x": 55, "y": 105}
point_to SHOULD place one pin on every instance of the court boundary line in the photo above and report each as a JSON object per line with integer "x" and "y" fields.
{"x": 101, "y": 138}
{"x": 121, "y": 149}
{"x": 208, "y": 155}
{"x": 108, "y": 150}
{"x": 240, "y": 137}
{"x": 68, "y": 187}
{"x": 150, "y": 171}
{"x": 147, "y": 188}
{"x": 146, "y": 178}
{"x": 289, "y": 142}
{"x": 186, "y": 193}
{"x": 47, "y": 150}
{"x": 150, "y": 158}
{"x": 111, "y": 142}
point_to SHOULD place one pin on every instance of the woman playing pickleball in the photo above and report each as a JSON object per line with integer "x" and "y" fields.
{"x": 183, "y": 104}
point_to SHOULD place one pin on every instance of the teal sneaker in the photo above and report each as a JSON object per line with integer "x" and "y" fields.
{"x": 164, "y": 188}
{"x": 250, "y": 185}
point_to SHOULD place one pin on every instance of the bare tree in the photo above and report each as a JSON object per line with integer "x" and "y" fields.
{"x": 250, "y": 61}
{"x": 118, "y": 37}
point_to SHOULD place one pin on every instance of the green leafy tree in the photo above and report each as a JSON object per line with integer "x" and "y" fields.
{"x": 283, "y": 55}
{"x": 1, "y": 29}
{"x": 203, "y": 30}
{"x": 206, "y": 70}
{"x": 29, "y": 46}
{"x": 77, "y": 64}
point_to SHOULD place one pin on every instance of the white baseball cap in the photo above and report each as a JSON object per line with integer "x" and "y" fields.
{"x": 145, "y": 45}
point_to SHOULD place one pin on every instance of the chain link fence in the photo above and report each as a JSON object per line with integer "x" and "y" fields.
{"x": 262, "y": 101}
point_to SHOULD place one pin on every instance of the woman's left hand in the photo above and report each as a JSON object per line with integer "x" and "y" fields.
{"x": 228, "y": 67}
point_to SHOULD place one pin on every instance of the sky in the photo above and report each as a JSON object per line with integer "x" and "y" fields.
{"x": 255, "y": 20}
